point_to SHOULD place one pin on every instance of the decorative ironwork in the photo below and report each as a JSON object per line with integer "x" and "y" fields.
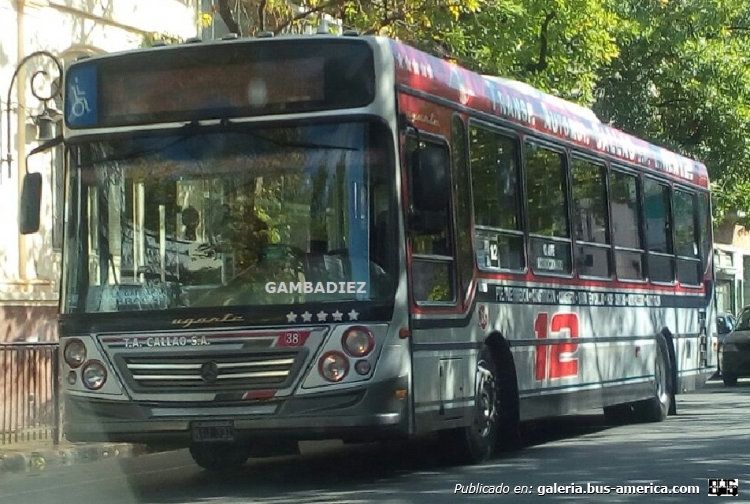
{"x": 55, "y": 90}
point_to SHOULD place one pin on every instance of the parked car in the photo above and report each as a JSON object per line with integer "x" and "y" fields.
{"x": 734, "y": 350}
{"x": 725, "y": 323}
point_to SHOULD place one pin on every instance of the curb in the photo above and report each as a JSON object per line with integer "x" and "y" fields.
{"x": 16, "y": 461}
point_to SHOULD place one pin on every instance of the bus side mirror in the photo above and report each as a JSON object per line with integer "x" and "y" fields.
{"x": 31, "y": 203}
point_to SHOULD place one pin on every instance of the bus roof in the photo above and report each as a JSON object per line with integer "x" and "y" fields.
{"x": 524, "y": 105}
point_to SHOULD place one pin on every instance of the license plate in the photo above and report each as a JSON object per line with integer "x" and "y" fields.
{"x": 213, "y": 431}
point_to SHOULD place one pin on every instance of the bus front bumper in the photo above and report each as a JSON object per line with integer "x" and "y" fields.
{"x": 373, "y": 411}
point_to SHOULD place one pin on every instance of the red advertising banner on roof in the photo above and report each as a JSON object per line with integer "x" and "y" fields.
{"x": 539, "y": 111}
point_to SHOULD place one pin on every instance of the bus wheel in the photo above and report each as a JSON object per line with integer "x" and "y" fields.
{"x": 218, "y": 457}
{"x": 729, "y": 380}
{"x": 657, "y": 408}
{"x": 476, "y": 443}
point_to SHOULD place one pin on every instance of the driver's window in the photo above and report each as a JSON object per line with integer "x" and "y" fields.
{"x": 433, "y": 263}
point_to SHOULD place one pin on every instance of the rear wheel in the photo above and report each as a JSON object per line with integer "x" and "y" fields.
{"x": 219, "y": 457}
{"x": 729, "y": 380}
{"x": 657, "y": 408}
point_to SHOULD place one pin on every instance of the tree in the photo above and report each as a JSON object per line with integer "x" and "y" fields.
{"x": 681, "y": 80}
{"x": 554, "y": 44}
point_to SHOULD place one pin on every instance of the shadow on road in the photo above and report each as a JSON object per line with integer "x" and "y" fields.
{"x": 347, "y": 467}
{"x": 708, "y": 438}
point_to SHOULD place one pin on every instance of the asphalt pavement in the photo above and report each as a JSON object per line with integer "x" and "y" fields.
{"x": 709, "y": 439}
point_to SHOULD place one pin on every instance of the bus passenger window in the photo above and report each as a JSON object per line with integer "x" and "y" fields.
{"x": 548, "y": 211}
{"x": 656, "y": 208}
{"x": 497, "y": 203}
{"x": 590, "y": 221}
{"x": 686, "y": 237}
{"x": 626, "y": 226}
{"x": 704, "y": 221}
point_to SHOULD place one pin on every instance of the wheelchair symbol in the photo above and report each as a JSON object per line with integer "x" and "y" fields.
{"x": 80, "y": 103}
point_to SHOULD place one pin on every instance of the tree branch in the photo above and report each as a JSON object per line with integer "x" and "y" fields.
{"x": 543, "y": 45}
{"x": 262, "y": 15}
{"x": 302, "y": 15}
{"x": 226, "y": 15}
{"x": 386, "y": 21}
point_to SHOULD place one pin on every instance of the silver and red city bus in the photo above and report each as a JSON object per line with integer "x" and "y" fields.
{"x": 280, "y": 239}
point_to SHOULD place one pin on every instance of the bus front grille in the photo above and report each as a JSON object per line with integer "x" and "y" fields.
{"x": 211, "y": 373}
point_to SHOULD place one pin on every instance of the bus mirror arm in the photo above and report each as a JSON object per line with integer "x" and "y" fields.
{"x": 49, "y": 144}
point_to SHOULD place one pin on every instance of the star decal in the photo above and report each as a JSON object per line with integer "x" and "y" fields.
{"x": 353, "y": 315}
{"x": 307, "y": 316}
{"x": 337, "y": 315}
{"x": 291, "y": 317}
{"x": 322, "y": 316}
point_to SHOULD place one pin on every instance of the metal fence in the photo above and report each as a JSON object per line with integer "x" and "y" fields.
{"x": 29, "y": 393}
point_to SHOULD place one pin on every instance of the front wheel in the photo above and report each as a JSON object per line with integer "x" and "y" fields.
{"x": 219, "y": 457}
{"x": 476, "y": 443}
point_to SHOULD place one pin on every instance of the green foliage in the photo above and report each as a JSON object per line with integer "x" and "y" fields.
{"x": 673, "y": 72}
{"x": 682, "y": 81}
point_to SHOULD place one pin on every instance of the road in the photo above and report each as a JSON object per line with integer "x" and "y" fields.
{"x": 710, "y": 438}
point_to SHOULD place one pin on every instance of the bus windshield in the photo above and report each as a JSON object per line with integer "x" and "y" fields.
{"x": 241, "y": 216}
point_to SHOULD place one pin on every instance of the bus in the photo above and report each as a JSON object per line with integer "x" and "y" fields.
{"x": 271, "y": 240}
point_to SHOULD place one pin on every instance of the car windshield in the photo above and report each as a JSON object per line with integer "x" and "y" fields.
{"x": 240, "y": 217}
{"x": 743, "y": 321}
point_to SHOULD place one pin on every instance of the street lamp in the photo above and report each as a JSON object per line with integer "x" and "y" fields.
{"x": 46, "y": 120}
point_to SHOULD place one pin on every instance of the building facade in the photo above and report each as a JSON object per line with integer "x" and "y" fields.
{"x": 68, "y": 29}
{"x": 732, "y": 266}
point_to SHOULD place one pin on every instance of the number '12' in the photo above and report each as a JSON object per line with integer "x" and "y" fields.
{"x": 556, "y": 360}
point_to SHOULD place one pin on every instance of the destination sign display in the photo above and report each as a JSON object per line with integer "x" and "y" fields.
{"x": 218, "y": 81}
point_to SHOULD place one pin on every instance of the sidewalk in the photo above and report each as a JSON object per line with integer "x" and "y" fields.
{"x": 41, "y": 455}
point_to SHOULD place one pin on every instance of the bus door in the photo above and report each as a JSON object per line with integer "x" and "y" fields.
{"x": 441, "y": 364}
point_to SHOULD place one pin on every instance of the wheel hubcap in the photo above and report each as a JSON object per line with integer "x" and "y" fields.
{"x": 486, "y": 401}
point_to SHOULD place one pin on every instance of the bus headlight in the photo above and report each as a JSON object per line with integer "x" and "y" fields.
{"x": 93, "y": 375}
{"x": 358, "y": 341}
{"x": 333, "y": 366}
{"x": 74, "y": 353}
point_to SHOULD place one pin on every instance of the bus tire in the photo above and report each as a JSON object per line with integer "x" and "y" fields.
{"x": 675, "y": 380}
{"x": 219, "y": 457}
{"x": 657, "y": 408}
{"x": 476, "y": 443}
{"x": 509, "y": 419}
{"x": 729, "y": 380}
